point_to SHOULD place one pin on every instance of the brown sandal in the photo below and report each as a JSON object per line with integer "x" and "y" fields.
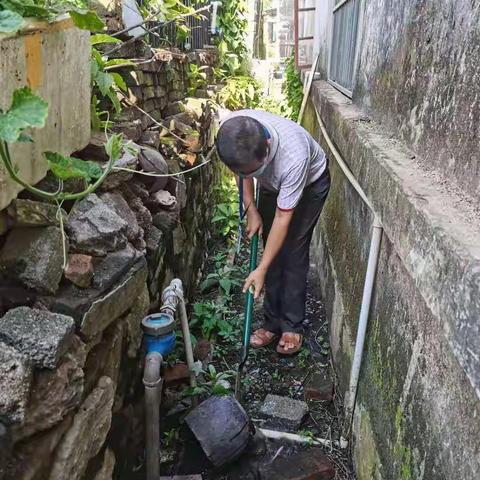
{"x": 264, "y": 338}
{"x": 290, "y": 343}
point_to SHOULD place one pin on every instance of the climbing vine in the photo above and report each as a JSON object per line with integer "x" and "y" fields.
{"x": 293, "y": 88}
{"x": 233, "y": 29}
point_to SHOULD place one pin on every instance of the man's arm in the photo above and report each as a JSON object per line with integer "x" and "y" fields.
{"x": 276, "y": 239}
{"x": 254, "y": 219}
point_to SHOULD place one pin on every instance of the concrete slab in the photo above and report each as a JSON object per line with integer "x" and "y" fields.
{"x": 284, "y": 411}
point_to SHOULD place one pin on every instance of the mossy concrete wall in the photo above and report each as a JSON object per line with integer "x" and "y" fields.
{"x": 418, "y": 410}
{"x": 54, "y": 61}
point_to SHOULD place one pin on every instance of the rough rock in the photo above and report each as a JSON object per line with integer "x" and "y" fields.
{"x": 94, "y": 311}
{"x": 310, "y": 465}
{"x": 109, "y": 269}
{"x": 174, "y": 108}
{"x": 319, "y": 387}
{"x": 131, "y": 130}
{"x": 134, "y": 318}
{"x": 153, "y": 239}
{"x": 150, "y": 138}
{"x": 283, "y": 411}
{"x": 55, "y": 393}
{"x": 34, "y": 257}
{"x": 176, "y": 374}
{"x": 117, "y": 203}
{"x": 95, "y": 150}
{"x": 32, "y": 458}
{"x": 5, "y": 449}
{"x": 79, "y": 270}
{"x": 95, "y": 228}
{"x": 4, "y": 222}
{"x": 116, "y": 302}
{"x": 165, "y": 199}
{"x": 165, "y": 221}
{"x": 108, "y": 464}
{"x": 202, "y": 349}
{"x": 105, "y": 358}
{"x": 15, "y": 380}
{"x": 152, "y": 161}
{"x": 29, "y": 213}
{"x": 183, "y": 477}
{"x": 117, "y": 177}
{"x": 40, "y": 335}
{"x": 14, "y": 296}
{"x": 87, "y": 434}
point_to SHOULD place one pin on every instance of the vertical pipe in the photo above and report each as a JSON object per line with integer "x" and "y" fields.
{"x": 188, "y": 342}
{"x": 362, "y": 327}
{"x": 153, "y": 389}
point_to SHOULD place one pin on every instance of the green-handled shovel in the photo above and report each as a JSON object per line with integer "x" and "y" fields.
{"x": 247, "y": 322}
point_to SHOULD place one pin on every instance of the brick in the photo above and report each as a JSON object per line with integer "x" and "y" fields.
{"x": 176, "y": 374}
{"x": 319, "y": 387}
{"x": 312, "y": 464}
{"x": 79, "y": 270}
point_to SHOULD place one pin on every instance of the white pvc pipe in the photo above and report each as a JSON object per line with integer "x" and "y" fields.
{"x": 362, "y": 327}
{"x": 367, "y": 289}
{"x": 293, "y": 437}
{"x": 187, "y": 340}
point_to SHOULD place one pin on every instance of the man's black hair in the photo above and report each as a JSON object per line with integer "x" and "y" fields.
{"x": 240, "y": 141}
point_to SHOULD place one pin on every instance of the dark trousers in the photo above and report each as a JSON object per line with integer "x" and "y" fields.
{"x": 286, "y": 280}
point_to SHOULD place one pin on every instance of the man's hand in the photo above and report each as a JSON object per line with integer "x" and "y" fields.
{"x": 254, "y": 222}
{"x": 257, "y": 280}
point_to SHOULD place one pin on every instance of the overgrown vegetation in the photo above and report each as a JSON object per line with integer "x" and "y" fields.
{"x": 293, "y": 88}
{"x": 13, "y": 12}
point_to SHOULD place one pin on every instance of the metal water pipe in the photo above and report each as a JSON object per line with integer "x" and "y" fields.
{"x": 159, "y": 339}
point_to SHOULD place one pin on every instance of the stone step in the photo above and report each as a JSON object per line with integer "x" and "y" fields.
{"x": 283, "y": 411}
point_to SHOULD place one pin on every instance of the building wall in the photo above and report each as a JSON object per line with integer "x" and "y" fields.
{"x": 417, "y": 415}
{"x": 410, "y": 136}
{"x": 419, "y": 73}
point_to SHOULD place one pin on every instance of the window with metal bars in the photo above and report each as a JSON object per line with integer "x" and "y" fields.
{"x": 344, "y": 45}
{"x": 304, "y": 21}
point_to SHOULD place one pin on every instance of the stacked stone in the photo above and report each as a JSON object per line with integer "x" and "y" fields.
{"x": 70, "y": 338}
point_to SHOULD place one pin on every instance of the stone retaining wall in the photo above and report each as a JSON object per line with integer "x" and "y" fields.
{"x": 70, "y": 338}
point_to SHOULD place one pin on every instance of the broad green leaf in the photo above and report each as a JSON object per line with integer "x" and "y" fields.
{"x": 104, "y": 82}
{"x": 16, "y": 6}
{"x": 226, "y": 285}
{"x": 38, "y": 11}
{"x": 99, "y": 38}
{"x": 10, "y": 22}
{"x": 114, "y": 146}
{"x": 66, "y": 168}
{"x": 119, "y": 81}
{"x": 87, "y": 20}
{"x": 27, "y": 110}
{"x": 118, "y": 62}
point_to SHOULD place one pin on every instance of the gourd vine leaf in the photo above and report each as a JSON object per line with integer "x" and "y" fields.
{"x": 27, "y": 110}
{"x": 66, "y": 168}
{"x": 87, "y": 20}
{"x": 99, "y": 38}
{"x": 114, "y": 146}
{"x": 10, "y": 22}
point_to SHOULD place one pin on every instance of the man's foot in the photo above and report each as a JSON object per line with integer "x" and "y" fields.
{"x": 261, "y": 338}
{"x": 290, "y": 343}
